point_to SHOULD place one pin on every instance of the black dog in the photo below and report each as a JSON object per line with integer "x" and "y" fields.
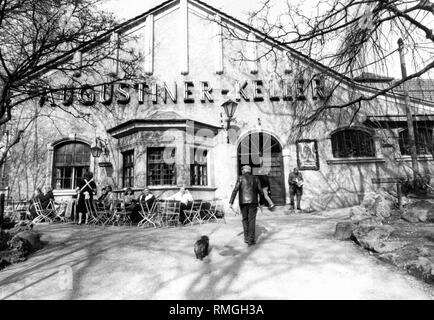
{"x": 201, "y": 247}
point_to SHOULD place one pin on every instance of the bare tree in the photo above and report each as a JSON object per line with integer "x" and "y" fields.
{"x": 47, "y": 45}
{"x": 349, "y": 37}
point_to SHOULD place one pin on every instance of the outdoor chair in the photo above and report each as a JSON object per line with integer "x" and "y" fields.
{"x": 194, "y": 213}
{"x": 59, "y": 215}
{"x": 42, "y": 215}
{"x": 149, "y": 215}
{"x": 99, "y": 214}
{"x": 171, "y": 212}
{"x": 216, "y": 208}
{"x": 120, "y": 215}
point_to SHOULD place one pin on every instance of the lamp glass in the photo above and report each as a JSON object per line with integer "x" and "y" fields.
{"x": 230, "y": 108}
{"x": 96, "y": 151}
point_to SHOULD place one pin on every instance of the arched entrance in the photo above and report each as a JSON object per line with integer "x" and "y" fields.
{"x": 262, "y": 151}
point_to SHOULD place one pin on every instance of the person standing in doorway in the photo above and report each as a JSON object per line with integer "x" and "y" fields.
{"x": 248, "y": 188}
{"x": 264, "y": 198}
{"x": 295, "y": 181}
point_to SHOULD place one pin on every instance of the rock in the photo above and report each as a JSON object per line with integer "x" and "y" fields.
{"x": 372, "y": 238}
{"x": 358, "y": 214}
{"x": 405, "y": 201}
{"x": 382, "y": 207}
{"x": 344, "y": 231}
{"x": 407, "y": 216}
{"x": 28, "y": 241}
{"x": 422, "y": 268}
{"x": 33, "y": 238}
{"x": 388, "y": 246}
{"x": 369, "y": 200}
{"x": 371, "y": 222}
{"x": 401, "y": 257}
{"x": 20, "y": 227}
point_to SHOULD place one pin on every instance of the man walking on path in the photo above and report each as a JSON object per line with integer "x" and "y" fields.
{"x": 248, "y": 188}
{"x": 295, "y": 181}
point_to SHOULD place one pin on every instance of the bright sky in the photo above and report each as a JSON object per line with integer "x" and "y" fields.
{"x": 127, "y": 9}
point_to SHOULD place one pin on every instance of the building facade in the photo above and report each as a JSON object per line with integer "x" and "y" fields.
{"x": 171, "y": 129}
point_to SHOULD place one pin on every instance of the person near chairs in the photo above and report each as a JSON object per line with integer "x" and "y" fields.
{"x": 47, "y": 197}
{"x": 37, "y": 196}
{"x": 86, "y": 188}
{"x": 104, "y": 193}
{"x": 129, "y": 199}
{"x": 108, "y": 198}
{"x": 264, "y": 197}
{"x": 186, "y": 199}
{"x": 147, "y": 199}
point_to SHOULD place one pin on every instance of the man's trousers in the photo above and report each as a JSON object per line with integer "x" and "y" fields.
{"x": 248, "y": 212}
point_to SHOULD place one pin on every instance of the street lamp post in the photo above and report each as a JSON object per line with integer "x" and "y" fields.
{"x": 230, "y": 107}
{"x": 100, "y": 147}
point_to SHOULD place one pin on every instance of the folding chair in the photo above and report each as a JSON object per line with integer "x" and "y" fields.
{"x": 43, "y": 215}
{"x": 120, "y": 214}
{"x": 59, "y": 215}
{"x": 171, "y": 212}
{"x": 159, "y": 212}
{"x": 216, "y": 208}
{"x": 148, "y": 214}
{"x": 194, "y": 213}
{"x": 98, "y": 213}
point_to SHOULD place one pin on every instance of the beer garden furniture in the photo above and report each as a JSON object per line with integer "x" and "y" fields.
{"x": 43, "y": 215}
{"x": 215, "y": 208}
{"x": 170, "y": 213}
{"x": 120, "y": 214}
{"x": 149, "y": 215}
{"x": 194, "y": 214}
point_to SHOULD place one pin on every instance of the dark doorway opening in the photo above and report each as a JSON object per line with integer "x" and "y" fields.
{"x": 262, "y": 151}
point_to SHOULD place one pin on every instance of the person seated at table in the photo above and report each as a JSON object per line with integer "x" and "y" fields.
{"x": 47, "y": 197}
{"x": 104, "y": 193}
{"x": 109, "y": 197}
{"x": 37, "y": 195}
{"x": 147, "y": 199}
{"x": 184, "y": 196}
{"x": 129, "y": 198}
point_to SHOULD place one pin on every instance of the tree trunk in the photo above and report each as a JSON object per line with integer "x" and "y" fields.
{"x": 2, "y": 208}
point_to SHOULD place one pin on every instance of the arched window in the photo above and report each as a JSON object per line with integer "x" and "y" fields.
{"x": 352, "y": 143}
{"x": 71, "y": 162}
{"x": 424, "y": 141}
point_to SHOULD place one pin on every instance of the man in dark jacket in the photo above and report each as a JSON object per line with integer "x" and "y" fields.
{"x": 248, "y": 187}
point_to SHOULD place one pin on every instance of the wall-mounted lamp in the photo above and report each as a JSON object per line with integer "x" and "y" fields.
{"x": 230, "y": 107}
{"x": 99, "y": 147}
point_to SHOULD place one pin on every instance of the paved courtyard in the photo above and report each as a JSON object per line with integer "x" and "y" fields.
{"x": 295, "y": 258}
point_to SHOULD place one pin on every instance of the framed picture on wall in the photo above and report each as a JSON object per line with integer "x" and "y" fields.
{"x": 307, "y": 154}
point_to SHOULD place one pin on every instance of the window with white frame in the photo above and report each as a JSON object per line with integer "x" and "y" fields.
{"x": 71, "y": 162}
{"x": 198, "y": 167}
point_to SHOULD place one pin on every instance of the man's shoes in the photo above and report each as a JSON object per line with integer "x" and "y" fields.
{"x": 251, "y": 244}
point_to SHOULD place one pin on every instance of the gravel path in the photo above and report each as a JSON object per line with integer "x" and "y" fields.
{"x": 295, "y": 258}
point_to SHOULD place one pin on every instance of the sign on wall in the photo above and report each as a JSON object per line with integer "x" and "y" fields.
{"x": 307, "y": 154}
